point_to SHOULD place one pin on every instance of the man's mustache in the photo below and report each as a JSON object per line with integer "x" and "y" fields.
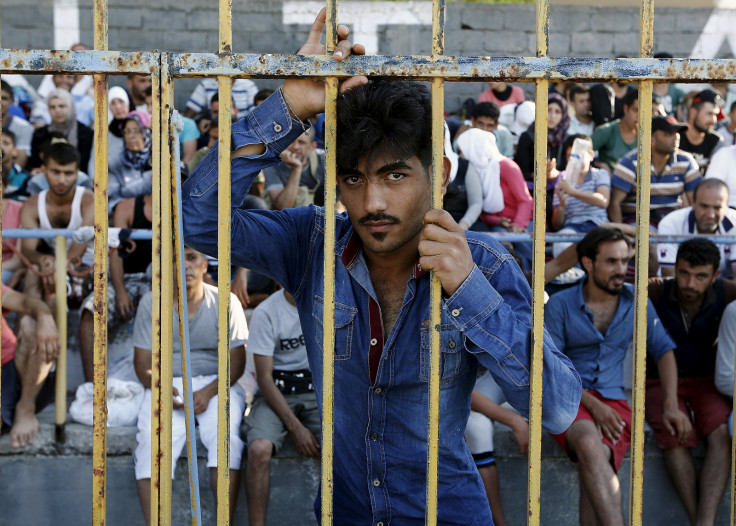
{"x": 378, "y": 218}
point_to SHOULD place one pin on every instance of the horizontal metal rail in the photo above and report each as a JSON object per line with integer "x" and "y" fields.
{"x": 417, "y": 67}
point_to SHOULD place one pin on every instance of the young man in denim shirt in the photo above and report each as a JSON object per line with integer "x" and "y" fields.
{"x": 385, "y": 245}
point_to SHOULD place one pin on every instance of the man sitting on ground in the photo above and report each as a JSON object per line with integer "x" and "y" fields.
{"x": 285, "y": 402}
{"x": 592, "y": 323}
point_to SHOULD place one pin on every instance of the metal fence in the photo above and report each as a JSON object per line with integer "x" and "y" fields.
{"x": 436, "y": 68}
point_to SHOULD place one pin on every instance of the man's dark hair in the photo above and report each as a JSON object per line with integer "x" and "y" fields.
{"x": 631, "y": 97}
{"x": 262, "y": 95}
{"x": 7, "y": 88}
{"x": 571, "y": 139}
{"x": 699, "y": 251}
{"x": 383, "y": 116}
{"x": 577, "y": 89}
{"x": 588, "y": 247}
{"x": 486, "y": 109}
{"x": 733, "y": 107}
{"x": 711, "y": 182}
{"x": 10, "y": 135}
{"x": 62, "y": 153}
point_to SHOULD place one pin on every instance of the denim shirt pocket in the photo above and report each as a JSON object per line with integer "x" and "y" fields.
{"x": 453, "y": 359}
{"x": 344, "y": 327}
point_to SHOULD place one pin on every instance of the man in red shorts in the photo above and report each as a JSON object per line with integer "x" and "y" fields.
{"x": 592, "y": 323}
{"x": 690, "y": 306}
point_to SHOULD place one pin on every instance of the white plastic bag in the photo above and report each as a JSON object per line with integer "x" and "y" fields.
{"x": 123, "y": 402}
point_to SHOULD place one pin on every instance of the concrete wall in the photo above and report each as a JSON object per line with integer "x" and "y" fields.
{"x": 471, "y": 29}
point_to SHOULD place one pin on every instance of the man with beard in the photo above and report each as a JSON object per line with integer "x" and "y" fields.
{"x": 137, "y": 86}
{"x": 700, "y": 140}
{"x": 592, "y": 323}
{"x": 710, "y": 216}
{"x": 690, "y": 306}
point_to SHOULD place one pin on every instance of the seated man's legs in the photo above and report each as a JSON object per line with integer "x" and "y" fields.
{"x": 32, "y": 386}
{"x": 598, "y": 460}
{"x": 265, "y": 434}
{"x": 142, "y": 456}
{"x": 136, "y": 285}
{"x": 711, "y": 411}
{"x": 207, "y": 421}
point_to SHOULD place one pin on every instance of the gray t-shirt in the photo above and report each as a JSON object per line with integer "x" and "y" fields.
{"x": 202, "y": 331}
{"x": 276, "y": 332}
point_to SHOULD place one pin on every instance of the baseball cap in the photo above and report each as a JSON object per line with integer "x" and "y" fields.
{"x": 668, "y": 124}
{"x": 707, "y": 95}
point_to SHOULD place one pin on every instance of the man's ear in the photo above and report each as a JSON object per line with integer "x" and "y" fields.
{"x": 446, "y": 170}
{"x": 587, "y": 264}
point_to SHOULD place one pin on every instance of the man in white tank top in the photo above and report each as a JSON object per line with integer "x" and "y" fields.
{"x": 63, "y": 205}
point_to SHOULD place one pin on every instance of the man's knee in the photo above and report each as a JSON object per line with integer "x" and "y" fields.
{"x": 260, "y": 452}
{"x": 719, "y": 436}
{"x": 586, "y": 443}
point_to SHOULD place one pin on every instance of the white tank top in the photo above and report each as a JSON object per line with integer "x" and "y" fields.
{"x": 75, "y": 222}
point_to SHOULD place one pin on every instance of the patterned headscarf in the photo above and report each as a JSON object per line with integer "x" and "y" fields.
{"x": 556, "y": 135}
{"x": 68, "y": 128}
{"x": 141, "y": 160}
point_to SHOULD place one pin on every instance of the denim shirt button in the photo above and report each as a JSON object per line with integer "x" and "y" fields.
{"x": 374, "y": 341}
{"x": 376, "y": 482}
{"x": 374, "y": 436}
{"x": 277, "y": 127}
{"x": 379, "y": 524}
{"x": 451, "y": 345}
{"x": 377, "y": 390}
{"x": 455, "y": 312}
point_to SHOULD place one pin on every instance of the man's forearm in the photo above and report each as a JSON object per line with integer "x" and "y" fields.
{"x": 278, "y": 403}
{"x": 667, "y": 368}
{"x": 287, "y": 196}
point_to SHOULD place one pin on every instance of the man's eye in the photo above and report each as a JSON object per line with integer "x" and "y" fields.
{"x": 394, "y": 176}
{"x": 351, "y": 180}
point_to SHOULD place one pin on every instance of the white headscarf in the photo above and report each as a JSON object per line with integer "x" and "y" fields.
{"x": 116, "y": 92}
{"x": 67, "y": 128}
{"x": 479, "y": 148}
{"x": 450, "y": 153}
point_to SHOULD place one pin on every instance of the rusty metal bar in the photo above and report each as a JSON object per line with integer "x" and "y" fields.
{"x": 328, "y": 306}
{"x": 1, "y": 271}
{"x": 522, "y": 69}
{"x": 167, "y": 298}
{"x": 418, "y": 67}
{"x": 435, "y": 291}
{"x": 224, "y": 192}
{"x": 99, "y": 360}
{"x": 540, "y": 200}
{"x": 644, "y": 154}
{"x": 61, "y": 324}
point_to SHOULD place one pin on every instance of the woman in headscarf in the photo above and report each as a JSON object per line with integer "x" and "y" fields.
{"x": 64, "y": 121}
{"x": 558, "y": 122}
{"x": 506, "y": 203}
{"x": 131, "y": 177}
{"x": 118, "y": 108}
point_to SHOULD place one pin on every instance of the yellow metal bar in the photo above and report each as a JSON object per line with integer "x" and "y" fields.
{"x": 223, "y": 275}
{"x": 435, "y": 292}
{"x": 733, "y": 461}
{"x": 167, "y": 297}
{"x": 328, "y": 314}
{"x": 61, "y": 361}
{"x": 328, "y": 308}
{"x": 535, "y": 396}
{"x": 99, "y": 360}
{"x": 156, "y": 296}
{"x": 640, "y": 310}
{"x": 540, "y": 200}
{"x": 435, "y": 313}
{"x": 1, "y": 266}
{"x": 223, "y": 284}
{"x": 644, "y": 154}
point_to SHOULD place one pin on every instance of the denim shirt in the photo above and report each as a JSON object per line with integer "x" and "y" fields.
{"x": 599, "y": 358}
{"x": 380, "y": 431}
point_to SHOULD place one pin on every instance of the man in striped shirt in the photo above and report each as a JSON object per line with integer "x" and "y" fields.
{"x": 674, "y": 173}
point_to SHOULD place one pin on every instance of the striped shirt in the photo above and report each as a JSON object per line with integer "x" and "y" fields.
{"x": 680, "y": 174}
{"x": 578, "y": 211}
{"x": 243, "y": 92}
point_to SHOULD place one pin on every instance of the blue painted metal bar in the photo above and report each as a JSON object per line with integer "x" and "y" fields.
{"x": 86, "y": 61}
{"x": 195, "y": 503}
{"x": 27, "y": 233}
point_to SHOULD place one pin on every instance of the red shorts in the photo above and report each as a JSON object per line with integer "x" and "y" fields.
{"x": 621, "y": 446}
{"x": 698, "y": 398}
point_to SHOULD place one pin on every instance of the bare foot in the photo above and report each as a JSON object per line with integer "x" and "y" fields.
{"x": 25, "y": 427}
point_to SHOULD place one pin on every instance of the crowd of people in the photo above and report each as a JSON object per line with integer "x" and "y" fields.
{"x": 48, "y": 166}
